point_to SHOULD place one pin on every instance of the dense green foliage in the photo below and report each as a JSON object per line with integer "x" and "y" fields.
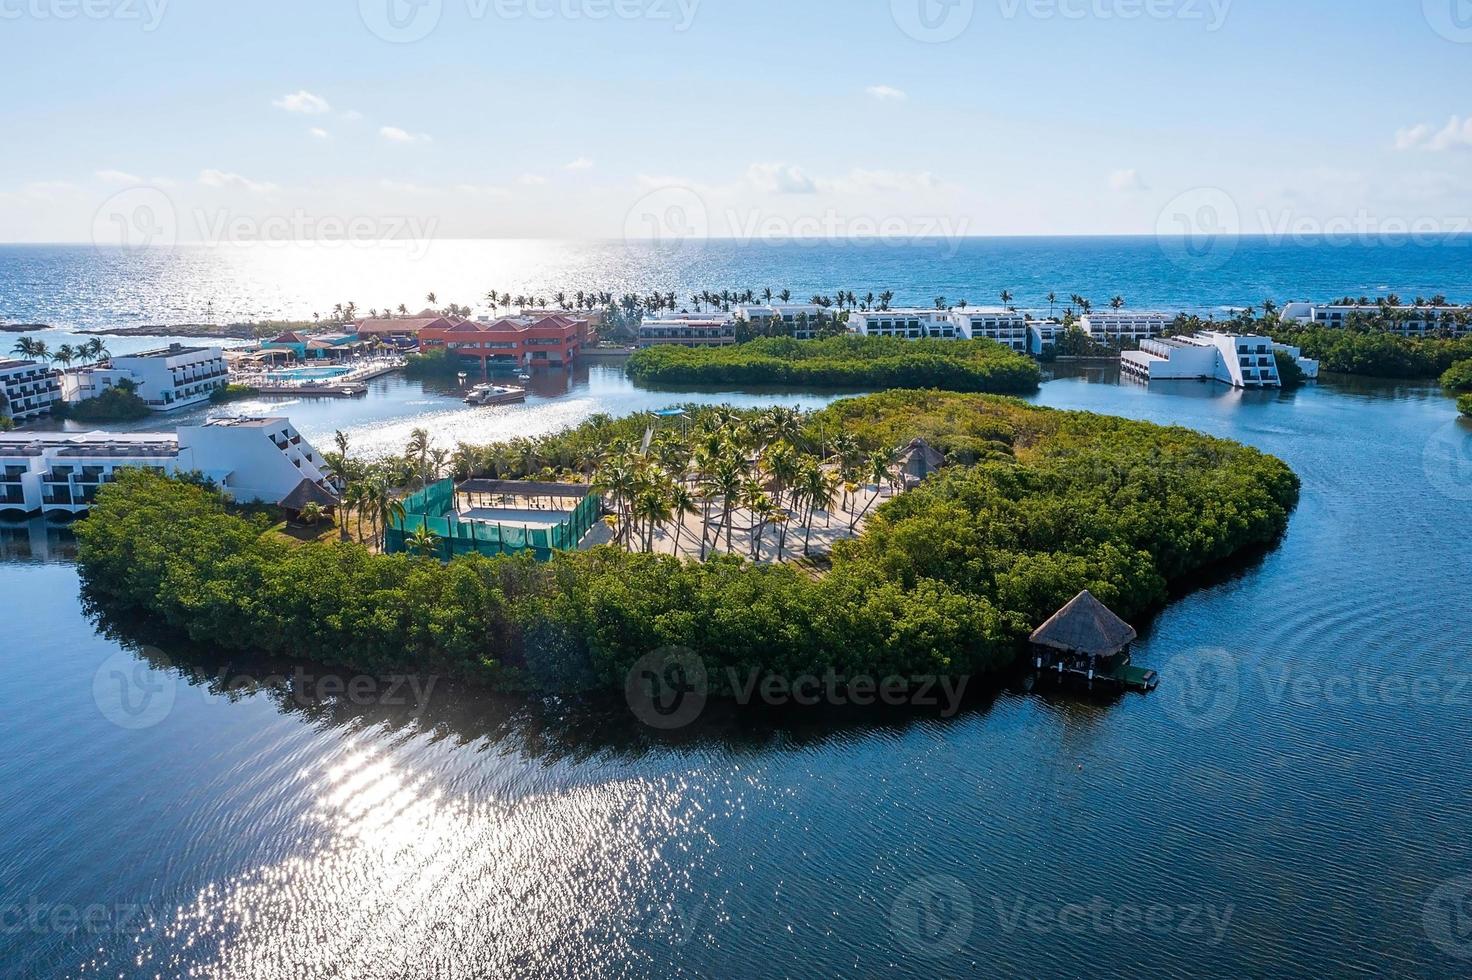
{"x": 6, "y": 423}
{"x": 1464, "y": 405}
{"x": 843, "y": 362}
{"x": 232, "y": 392}
{"x": 113, "y": 405}
{"x": 1458, "y": 377}
{"x": 437, "y": 362}
{"x": 948, "y": 578}
{"x": 1375, "y": 353}
{"x": 1289, "y": 372}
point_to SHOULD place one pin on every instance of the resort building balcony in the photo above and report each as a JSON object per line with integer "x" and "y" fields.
{"x": 251, "y": 459}
{"x": 1239, "y": 361}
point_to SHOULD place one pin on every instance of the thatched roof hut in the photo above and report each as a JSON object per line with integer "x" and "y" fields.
{"x": 1085, "y": 626}
{"x": 920, "y": 459}
{"x": 307, "y": 492}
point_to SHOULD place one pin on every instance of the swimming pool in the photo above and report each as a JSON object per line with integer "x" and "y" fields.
{"x": 310, "y": 374}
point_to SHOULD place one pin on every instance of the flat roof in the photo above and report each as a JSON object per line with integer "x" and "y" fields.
{"x": 170, "y": 352}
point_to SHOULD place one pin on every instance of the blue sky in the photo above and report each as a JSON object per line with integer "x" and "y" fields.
{"x": 609, "y": 118}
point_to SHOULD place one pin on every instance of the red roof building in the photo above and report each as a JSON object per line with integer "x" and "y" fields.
{"x": 550, "y": 341}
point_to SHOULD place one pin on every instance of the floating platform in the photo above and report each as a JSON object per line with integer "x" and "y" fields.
{"x": 1125, "y": 678}
{"x": 345, "y": 389}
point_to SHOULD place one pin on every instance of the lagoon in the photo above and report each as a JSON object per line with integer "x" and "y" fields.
{"x": 1293, "y": 800}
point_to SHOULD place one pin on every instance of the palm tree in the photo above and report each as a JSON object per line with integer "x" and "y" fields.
{"x": 64, "y": 356}
{"x": 312, "y": 513}
{"x": 816, "y": 489}
{"x": 423, "y": 542}
{"x": 1052, "y": 303}
{"x": 1006, "y": 297}
{"x": 880, "y": 472}
{"x": 1117, "y": 303}
{"x": 418, "y": 453}
{"x": 681, "y": 503}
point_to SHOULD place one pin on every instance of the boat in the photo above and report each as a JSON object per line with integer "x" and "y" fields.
{"x": 492, "y": 394}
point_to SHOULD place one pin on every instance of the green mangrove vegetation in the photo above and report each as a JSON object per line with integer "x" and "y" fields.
{"x": 949, "y": 578}
{"x": 843, "y": 362}
{"x": 120, "y": 404}
{"x": 1458, "y": 377}
{"x": 1464, "y": 405}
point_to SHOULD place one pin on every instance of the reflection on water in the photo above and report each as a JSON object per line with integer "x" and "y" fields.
{"x": 1300, "y": 775}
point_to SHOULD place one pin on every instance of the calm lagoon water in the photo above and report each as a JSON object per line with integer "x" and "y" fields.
{"x": 1293, "y": 801}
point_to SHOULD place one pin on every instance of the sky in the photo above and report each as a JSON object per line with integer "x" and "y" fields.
{"x": 199, "y": 120}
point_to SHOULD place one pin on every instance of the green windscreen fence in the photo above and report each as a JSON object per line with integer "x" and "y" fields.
{"x": 434, "y": 508}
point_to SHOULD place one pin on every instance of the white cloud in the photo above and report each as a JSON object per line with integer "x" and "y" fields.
{"x": 1126, "y": 181}
{"x": 402, "y": 187}
{"x": 221, "y": 178}
{"x": 482, "y": 190}
{"x": 886, "y": 93}
{"x": 303, "y": 101}
{"x": 118, "y": 177}
{"x": 581, "y": 163}
{"x": 861, "y": 181}
{"x": 531, "y": 180}
{"x": 1456, "y": 134}
{"x": 780, "y": 178}
{"x": 319, "y": 132}
{"x": 396, "y": 135}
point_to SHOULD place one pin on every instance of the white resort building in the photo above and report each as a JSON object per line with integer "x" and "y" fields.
{"x": 1239, "y": 361}
{"x": 801, "y": 320}
{"x": 167, "y": 379}
{"x": 29, "y": 389}
{"x": 688, "y": 329}
{"x": 1124, "y": 325}
{"x": 252, "y": 459}
{"x": 1408, "y": 321}
{"x": 1005, "y": 326}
